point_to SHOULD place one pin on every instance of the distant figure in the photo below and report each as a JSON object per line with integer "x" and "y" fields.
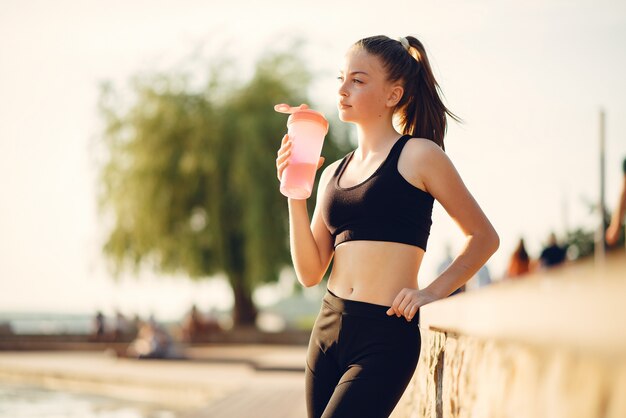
{"x": 122, "y": 327}
{"x": 519, "y": 264}
{"x": 152, "y": 342}
{"x": 617, "y": 220}
{"x": 553, "y": 254}
{"x": 196, "y": 326}
{"x": 133, "y": 325}
{"x": 98, "y": 326}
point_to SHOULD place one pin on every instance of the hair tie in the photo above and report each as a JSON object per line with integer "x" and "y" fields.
{"x": 404, "y": 42}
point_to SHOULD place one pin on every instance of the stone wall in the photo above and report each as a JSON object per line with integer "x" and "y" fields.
{"x": 467, "y": 377}
{"x": 480, "y": 360}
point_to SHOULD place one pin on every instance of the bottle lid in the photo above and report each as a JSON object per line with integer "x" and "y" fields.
{"x": 301, "y": 113}
{"x": 309, "y": 115}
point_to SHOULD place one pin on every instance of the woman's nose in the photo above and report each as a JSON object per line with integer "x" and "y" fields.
{"x": 342, "y": 90}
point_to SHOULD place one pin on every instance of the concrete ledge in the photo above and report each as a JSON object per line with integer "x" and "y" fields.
{"x": 576, "y": 306}
{"x": 549, "y": 345}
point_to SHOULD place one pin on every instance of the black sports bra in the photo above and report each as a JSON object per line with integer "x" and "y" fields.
{"x": 385, "y": 207}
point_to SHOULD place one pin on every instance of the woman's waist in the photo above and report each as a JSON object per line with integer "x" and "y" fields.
{"x": 379, "y": 292}
{"x": 374, "y": 284}
{"x": 374, "y": 271}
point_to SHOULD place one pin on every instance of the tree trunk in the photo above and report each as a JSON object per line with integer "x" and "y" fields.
{"x": 244, "y": 311}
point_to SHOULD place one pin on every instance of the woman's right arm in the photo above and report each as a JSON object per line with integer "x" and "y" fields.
{"x": 311, "y": 244}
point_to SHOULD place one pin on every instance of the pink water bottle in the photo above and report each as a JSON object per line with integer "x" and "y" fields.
{"x": 306, "y": 129}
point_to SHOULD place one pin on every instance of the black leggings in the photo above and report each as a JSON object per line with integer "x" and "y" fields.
{"x": 359, "y": 360}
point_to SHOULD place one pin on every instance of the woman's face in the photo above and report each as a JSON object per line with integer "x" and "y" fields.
{"x": 363, "y": 88}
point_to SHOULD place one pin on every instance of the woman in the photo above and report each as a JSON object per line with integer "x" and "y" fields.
{"x": 373, "y": 214}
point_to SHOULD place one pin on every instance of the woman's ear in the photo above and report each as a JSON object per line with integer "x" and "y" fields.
{"x": 395, "y": 95}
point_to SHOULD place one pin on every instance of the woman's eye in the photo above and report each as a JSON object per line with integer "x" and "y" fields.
{"x": 354, "y": 80}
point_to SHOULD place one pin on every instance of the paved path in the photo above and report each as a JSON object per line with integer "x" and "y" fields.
{"x": 217, "y": 381}
{"x": 256, "y": 402}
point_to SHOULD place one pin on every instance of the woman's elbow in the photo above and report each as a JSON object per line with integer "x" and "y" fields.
{"x": 310, "y": 283}
{"x": 309, "y": 280}
{"x": 492, "y": 240}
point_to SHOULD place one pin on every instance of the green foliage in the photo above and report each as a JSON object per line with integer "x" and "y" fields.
{"x": 581, "y": 242}
{"x": 189, "y": 177}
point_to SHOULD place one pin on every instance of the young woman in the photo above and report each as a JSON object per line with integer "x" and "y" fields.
{"x": 373, "y": 214}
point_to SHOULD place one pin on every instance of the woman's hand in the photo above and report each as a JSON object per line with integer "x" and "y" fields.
{"x": 409, "y": 301}
{"x": 282, "y": 161}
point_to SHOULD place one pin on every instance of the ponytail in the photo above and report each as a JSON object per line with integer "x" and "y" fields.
{"x": 420, "y": 111}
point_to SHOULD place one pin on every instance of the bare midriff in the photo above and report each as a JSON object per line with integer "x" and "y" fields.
{"x": 374, "y": 271}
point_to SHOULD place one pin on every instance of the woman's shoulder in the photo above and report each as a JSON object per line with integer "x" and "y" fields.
{"x": 422, "y": 150}
{"x": 416, "y": 143}
{"x": 423, "y": 162}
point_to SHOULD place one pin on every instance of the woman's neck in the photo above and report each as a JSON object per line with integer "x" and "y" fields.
{"x": 375, "y": 138}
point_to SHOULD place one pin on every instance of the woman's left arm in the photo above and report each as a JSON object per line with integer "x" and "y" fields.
{"x": 441, "y": 179}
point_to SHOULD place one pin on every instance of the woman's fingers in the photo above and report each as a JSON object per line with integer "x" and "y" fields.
{"x": 283, "y": 147}
{"x": 392, "y": 309}
{"x": 281, "y": 168}
{"x": 412, "y": 312}
{"x": 404, "y": 304}
{"x": 396, "y": 305}
{"x": 283, "y": 156}
{"x": 284, "y": 152}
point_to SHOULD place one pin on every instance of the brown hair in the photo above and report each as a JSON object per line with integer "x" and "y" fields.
{"x": 421, "y": 111}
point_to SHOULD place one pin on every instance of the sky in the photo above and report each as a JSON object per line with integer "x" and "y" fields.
{"x": 528, "y": 78}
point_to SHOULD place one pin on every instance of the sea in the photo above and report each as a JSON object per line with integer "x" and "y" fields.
{"x": 46, "y": 323}
{"x": 18, "y": 401}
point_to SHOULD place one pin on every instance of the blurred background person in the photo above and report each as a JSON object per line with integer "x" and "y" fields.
{"x": 98, "y": 327}
{"x": 121, "y": 328}
{"x": 519, "y": 263}
{"x": 617, "y": 220}
{"x": 153, "y": 342}
{"x": 197, "y": 326}
{"x": 553, "y": 254}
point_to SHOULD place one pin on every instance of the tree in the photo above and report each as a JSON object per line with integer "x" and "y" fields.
{"x": 189, "y": 175}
